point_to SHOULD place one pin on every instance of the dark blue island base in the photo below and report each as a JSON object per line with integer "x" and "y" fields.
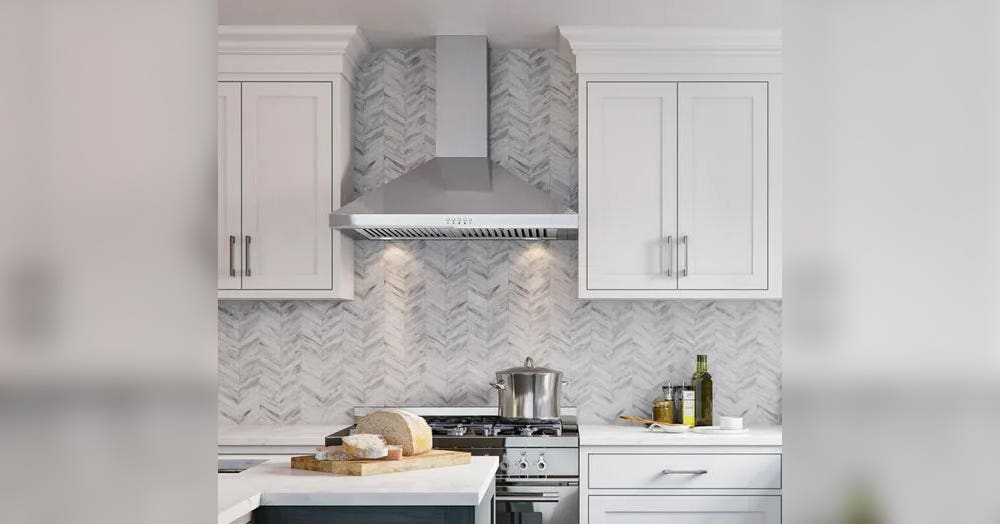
{"x": 481, "y": 514}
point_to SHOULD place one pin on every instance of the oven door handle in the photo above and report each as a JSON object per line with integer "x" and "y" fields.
{"x": 527, "y": 497}
{"x": 517, "y": 483}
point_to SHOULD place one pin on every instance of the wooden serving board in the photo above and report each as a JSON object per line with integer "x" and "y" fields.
{"x": 435, "y": 458}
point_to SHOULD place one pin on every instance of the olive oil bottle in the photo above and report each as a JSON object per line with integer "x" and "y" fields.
{"x": 702, "y": 383}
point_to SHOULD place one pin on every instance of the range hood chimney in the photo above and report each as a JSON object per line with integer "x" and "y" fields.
{"x": 460, "y": 193}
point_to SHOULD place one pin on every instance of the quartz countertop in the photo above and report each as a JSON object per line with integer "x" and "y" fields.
{"x": 638, "y": 435}
{"x": 276, "y": 483}
{"x": 293, "y": 435}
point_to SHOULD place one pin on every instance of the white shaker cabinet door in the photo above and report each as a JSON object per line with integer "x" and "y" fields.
{"x": 630, "y": 186}
{"x": 229, "y": 255}
{"x": 287, "y": 185}
{"x": 682, "y": 509}
{"x": 722, "y": 139}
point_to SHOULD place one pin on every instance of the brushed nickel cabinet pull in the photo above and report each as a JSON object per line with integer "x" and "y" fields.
{"x": 687, "y": 248}
{"x": 685, "y": 471}
{"x": 246, "y": 256}
{"x": 232, "y": 249}
{"x": 670, "y": 255}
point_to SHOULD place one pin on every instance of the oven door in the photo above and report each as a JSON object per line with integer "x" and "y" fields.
{"x": 538, "y": 501}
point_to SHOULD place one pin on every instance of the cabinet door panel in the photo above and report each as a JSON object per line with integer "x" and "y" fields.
{"x": 287, "y": 184}
{"x": 229, "y": 255}
{"x": 631, "y": 185}
{"x": 678, "y": 509}
{"x": 722, "y": 185}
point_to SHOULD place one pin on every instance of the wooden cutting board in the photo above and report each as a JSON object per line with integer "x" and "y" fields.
{"x": 435, "y": 458}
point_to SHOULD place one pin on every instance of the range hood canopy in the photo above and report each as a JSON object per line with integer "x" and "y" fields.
{"x": 460, "y": 193}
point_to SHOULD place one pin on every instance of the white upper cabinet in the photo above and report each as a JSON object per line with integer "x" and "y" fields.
{"x": 722, "y": 185}
{"x": 680, "y": 175}
{"x": 229, "y": 255}
{"x": 284, "y": 160}
{"x": 631, "y": 186}
{"x": 287, "y": 185}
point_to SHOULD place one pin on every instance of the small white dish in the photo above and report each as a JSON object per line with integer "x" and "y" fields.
{"x": 716, "y": 430}
{"x": 669, "y": 428}
{"x": 731, "y": 423}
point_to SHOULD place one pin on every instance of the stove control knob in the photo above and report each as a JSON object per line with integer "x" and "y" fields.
{"x": 504, "y": 464}
{"x": 523, "y": 464}
{"x": 541, "y": 464}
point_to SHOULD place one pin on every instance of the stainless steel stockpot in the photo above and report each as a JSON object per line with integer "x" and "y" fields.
{"x": 529, "y": 392}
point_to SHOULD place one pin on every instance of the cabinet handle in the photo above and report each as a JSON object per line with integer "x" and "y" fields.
{"x": 684, "y": 270}
{"x": 670, "y": 255}
{"x": 685, "y": 471}
{"x": 232, "y": 248}
{"x": 246, "y": 257}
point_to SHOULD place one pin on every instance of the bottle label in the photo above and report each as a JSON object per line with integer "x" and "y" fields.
{"x": 688, "y": 407}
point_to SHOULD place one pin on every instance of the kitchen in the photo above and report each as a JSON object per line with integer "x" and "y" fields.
{"x": 472, "y": 225}
{"x": 477, "y": 261}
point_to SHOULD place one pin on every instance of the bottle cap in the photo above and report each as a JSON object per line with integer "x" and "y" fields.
{"x": 702, "y": 358}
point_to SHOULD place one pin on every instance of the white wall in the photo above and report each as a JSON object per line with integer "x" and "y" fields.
{"x": 892, "y": 259}
{"x": 107, "y": 219}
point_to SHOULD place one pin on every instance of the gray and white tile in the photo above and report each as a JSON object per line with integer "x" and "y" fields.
{"x": 432, "y": 321}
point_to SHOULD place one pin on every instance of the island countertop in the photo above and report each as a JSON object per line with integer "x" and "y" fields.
{"x": 274, "y": 483}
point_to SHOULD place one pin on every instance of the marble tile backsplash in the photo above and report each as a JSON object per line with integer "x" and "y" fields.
{"x": 432, "y": 320}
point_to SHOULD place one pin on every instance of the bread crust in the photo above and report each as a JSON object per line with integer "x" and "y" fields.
{"x": 400, "y": 428}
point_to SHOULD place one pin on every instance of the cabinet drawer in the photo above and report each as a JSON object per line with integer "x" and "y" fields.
{"x": 726, "y": 509}
{"x": 684, "y": 471}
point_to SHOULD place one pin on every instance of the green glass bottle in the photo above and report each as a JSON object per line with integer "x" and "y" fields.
{"x": 702, "y": 383}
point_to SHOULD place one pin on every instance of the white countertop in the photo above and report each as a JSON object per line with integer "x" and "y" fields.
{"x": 638, "y": 435}
{"x": 276, "y": 483}
{"x": 296, "y": 435}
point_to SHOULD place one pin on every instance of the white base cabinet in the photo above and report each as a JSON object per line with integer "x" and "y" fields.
{"x": 681, "y": 484}
{"x": 681, "y": 509}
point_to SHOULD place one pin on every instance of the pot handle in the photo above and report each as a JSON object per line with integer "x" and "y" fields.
{"x": 499, "y": 385}
{"x": 565, "y": 381}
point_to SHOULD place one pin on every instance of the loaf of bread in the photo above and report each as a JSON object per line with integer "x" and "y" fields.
{"x": 399, "y": 428}
{"x": 365, "y": 445}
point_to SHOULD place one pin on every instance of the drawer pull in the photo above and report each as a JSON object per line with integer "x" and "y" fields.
{"x": 685, "y": 471}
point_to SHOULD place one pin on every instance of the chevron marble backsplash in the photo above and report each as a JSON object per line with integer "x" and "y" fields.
{"x": 432, "y": 320}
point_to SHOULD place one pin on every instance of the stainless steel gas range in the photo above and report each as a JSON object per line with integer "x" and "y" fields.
{"x": 538, "y": 481}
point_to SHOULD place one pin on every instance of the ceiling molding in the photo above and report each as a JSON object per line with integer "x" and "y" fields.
{"x": 644, "y": 49}
{"x": 317, "y": 49}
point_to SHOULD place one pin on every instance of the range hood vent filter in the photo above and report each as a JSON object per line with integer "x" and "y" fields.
{"x": 420, "y": 233}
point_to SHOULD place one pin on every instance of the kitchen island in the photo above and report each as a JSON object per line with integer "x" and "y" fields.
{"x": 273, "y": 493}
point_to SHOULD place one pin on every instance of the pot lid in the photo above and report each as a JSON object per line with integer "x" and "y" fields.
{"x": 529, "y": 368}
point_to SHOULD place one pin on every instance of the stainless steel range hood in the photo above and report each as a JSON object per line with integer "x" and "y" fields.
{"x": 460, "y": 194}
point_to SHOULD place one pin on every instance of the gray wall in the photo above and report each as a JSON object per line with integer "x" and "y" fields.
{"x": 432, "y": 321}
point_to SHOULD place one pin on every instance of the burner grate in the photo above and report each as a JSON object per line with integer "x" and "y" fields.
{"x": 491, "y": 427}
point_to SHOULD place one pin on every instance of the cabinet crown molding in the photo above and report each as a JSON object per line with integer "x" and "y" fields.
{"x": 303, "y": 45}
{"x": 651, "y": 49}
